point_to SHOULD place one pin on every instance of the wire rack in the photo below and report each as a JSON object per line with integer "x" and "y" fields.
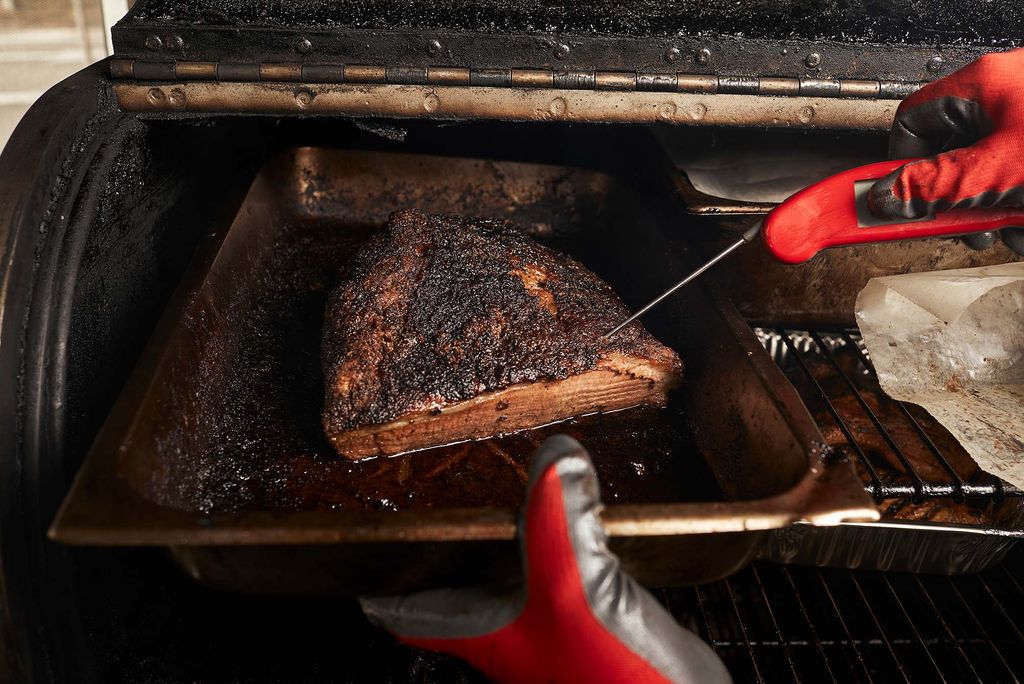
{"x": 769, "y": 623}
{"x": 773, "y": 623}
{"x": 900, "y": 451}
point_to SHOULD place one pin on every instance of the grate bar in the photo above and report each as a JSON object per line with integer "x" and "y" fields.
{"x": 913, "y": 628}
{"x": 904, "y": 461}
{"x": 772, "y": 643}
{"x": 842, "y": 622}
{"x": 743, "y": 630}
{"x": 958, "y": 483}
{"x": 812, "y": 624}
{"x": 878, "y": 626}
{"x": 945, "y": 628}
{"x": 1012, "y": 579}
{"x": 775, "y": 624}
{"x": 875, "y": 487}
{"x": 935, "y": 490}
{"x": 704, "y": 617}
{"x": 802, "y": 609}
{"x": 795, "y": 348}
{"x": 1002, "y": 609}
{"x": 981, "y": 627}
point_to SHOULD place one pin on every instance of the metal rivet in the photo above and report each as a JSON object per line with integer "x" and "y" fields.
{"x": 666, "y": 110}
{"x": 935, "y": 64}
{"x": 558, "y": 106}
{"x": 812, "y": 60}
{"x": 175, "y": 43}
{"x": 177, "y": 97}
{"x": 303, "y": 46}
{"x": 561, "y": 51}
{"x": 434, "y": 47}
{"x": 672, "y": 55}
{"x": 431, "y": 102}
{"x": 806, "y": 114}
{"x": 703, "y": 56}
{"x": 303, "y": 98}
{"x": 154, "y": 43}
{"x": 697, "y": 111}
{"x": 156, "y": 96}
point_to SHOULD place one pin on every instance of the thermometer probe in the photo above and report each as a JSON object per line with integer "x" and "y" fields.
{"x": 834, "y": 213}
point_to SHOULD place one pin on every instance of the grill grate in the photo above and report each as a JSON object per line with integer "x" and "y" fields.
{"x": 900, "y": 450}
{"x": 784, "y": 623}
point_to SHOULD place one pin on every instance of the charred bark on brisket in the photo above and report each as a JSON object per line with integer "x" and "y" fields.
{"x": 446, "y": 329}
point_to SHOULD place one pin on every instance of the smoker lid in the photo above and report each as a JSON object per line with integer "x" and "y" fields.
{"x": 997, "y": 23}
{"x": 903, "y": 41}
{"x": 812, "y": 63}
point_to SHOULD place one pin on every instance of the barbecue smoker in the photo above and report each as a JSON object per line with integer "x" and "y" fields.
{"x": 170, "y": 218}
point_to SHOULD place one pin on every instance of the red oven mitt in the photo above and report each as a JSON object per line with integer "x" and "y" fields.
{"x": 579, "y": 617}
{"x": 977, "y": 115}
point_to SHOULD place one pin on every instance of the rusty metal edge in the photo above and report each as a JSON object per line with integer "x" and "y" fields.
{"x": 505, "y": 103}
{"x": 162, "y": 527}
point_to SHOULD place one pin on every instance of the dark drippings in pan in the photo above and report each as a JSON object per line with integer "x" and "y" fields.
{"x": 256, "y": 441}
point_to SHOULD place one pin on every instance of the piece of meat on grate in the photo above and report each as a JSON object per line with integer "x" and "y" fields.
{"x": 446, "y": 329}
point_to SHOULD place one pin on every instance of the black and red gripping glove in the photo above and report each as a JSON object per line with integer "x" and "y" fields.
{"x": 579, "y": 617}
{"x": 977, "y": 116}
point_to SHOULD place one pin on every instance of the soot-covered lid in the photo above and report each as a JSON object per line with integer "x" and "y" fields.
{"x": 792, "y": 63}
{"x": 904, "y": 40}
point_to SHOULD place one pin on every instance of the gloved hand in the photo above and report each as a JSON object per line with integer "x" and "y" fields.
{"x": 977, "y": 114}
{"x": 579, "y": 617}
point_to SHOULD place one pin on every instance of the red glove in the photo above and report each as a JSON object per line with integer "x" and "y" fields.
{"x": 579, "y": 618}
{"x": 979, "y": 111}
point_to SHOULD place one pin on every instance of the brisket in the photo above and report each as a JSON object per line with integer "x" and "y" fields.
{"x": 445, "y": 329}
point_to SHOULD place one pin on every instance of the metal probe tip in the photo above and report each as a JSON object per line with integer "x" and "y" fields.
{"x": 751, "y": 233}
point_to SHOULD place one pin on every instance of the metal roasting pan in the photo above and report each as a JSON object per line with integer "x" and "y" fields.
{"x": 214, "y": 448}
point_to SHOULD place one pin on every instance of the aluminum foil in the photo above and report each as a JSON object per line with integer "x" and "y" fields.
{"x": 953, "y": 343}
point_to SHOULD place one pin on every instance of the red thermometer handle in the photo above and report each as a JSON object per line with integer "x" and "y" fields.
{"x": 834, "y": 213}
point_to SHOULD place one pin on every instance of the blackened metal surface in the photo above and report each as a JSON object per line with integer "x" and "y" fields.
{"x": 784, "y": 624}
{"x": 904, "y": 42}
{"x": 42, "y": 168}
{"x": 89, "y": 252}
{"x": 946, "y": 22}
{"x": 905, "y": 64}
{"x": 435, "y": 310}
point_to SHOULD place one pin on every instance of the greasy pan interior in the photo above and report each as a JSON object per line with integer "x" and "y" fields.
{"x": 215, "y": 448}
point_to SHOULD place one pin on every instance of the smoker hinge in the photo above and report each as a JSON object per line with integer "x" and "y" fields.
{"x": 571, "y": 79}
